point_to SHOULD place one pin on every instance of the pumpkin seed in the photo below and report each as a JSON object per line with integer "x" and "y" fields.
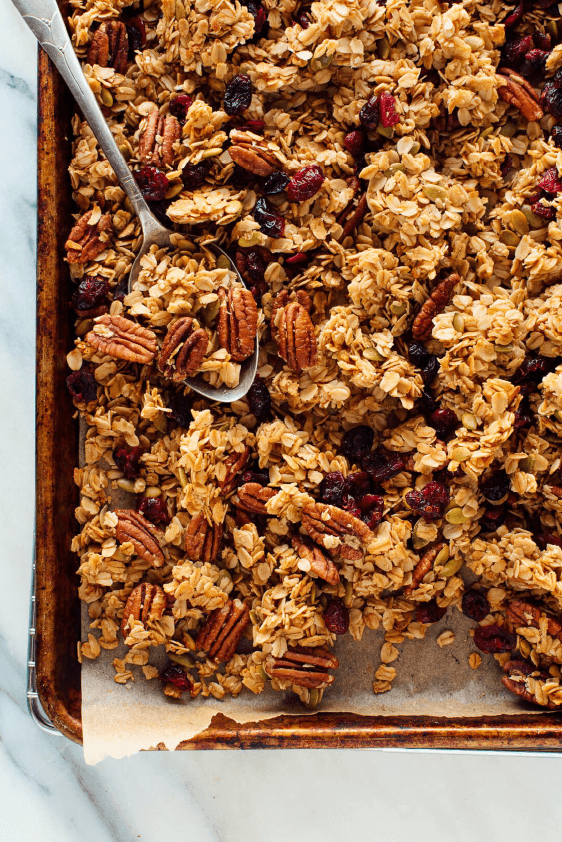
{"x": 262, "y": 673}
{"x": 552, "y": 29}
{"x": 254, "y": 619}
{"x": 152, "y": 491}
{"x": 419, "y": 540}
{"x": 348, "y": 596}
{"x": 460, "y": 454}
{"x": 182, "y": 477}
{"x": 415, "y": 148}
{"x": 534, "y": 220}
{"x": 503, "y": 349}
{"x": 373, "y": 354}
{"x": 383, "y": 48}
{"x": 453, "y": 566}
{"x": 313, "y": 699}
{"x": 83, "y": 327}
{"x": 558, "y": 416}
{"x": 455, "y": 516}
{"x": 385, "y": 131}
{"x": 223, "y": 262}
{"x": 160, "y": 423}
{"x": 442, "y": 556}
{"x": 126, "y": 485}
{"x": 249, "y": 240}
{"x": 487, "y": 131}
{"x": 125, "y": 151}
{"x": 174, "y": 190}
{"x": 106, "y": 97}
{"x": 509, "y": 238}
{"x": 183, "y": 660}
{"x": 398, "y": 308}
{"x": 209, "y": 312}
{"x": 527, "y": 464}
{"x": 458, "y": 322}
{"x": 469, "y": 421}
{"x": 433, "y": 192}
{"x": 519, "y": 222}
{"x": 509, "y": 129}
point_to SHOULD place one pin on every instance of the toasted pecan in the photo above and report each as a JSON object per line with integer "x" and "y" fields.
{"x": 146, "y": 602}
{"x": 123, "y": 339}
{"x": 223, "y": 629}
{"x": 135, "y": 528}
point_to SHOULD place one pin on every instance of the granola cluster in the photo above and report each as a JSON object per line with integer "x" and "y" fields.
{"x": 386, "y": 179}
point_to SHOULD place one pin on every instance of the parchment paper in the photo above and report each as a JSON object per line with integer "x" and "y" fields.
{"x": 119, "y": 720}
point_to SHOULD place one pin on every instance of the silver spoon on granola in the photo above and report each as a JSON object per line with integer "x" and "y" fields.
{"x": 184, "y": 345}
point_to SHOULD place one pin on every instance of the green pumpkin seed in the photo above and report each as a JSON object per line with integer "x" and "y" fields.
{"x": 153, "y": 491}
{"x": 487, "y": 131}
{"x": 254, "y": 619}
{"x": 160, "y": 423}
{"x": 509, "y": 129}
{"x": 385, "y": 131}
{"x": 262, "y": 673}
{"x": 398, "y": 308}
{"x": 249, "y": 240}
{"x": 519, "y": 222}
{"x": 314, "y": 698}
{"x": 460, "y": 454}
{"x": 209, "y": 312}
{"x": 534, "y": 220}
{"x": 434, "y": 193}
{"x": 509, "y": 238}
{"x": 527, "y": 464}
{"x": 373, "y": 354}
{"x": 458, "y": 322}
{"x": 126, "y": 485}
{"x": 125, "y": 151}
{"x": 558, "y": 416}
{"x": 503, "y": 349}
{"x": 106, "y": 97}
{"x": 383, "y": 48}
{"x": 455, "y": 516}
{"x": 419, "y": 541}
{"x": 453, "y": 566}
{"x": 183, "y": 660}
{"x": 442, "y": 556}
{"x": 552, "y": 29}
{"x": 415, "y": 148}
{"x": 223, "y": 262}
{"x": 469, "y": 422}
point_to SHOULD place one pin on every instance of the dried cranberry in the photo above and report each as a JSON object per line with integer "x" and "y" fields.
{"x": 298, "y": 259}
{"x": 542, "y": 40}
{"x": 492, "y": 519}
{"x": 270, "y": 222}
{"x": 557, "y": 78}
{"x": 547, "y": 212}
{"x": 514, "y": 18}
{"x": 530, "y": 373}
{"x": 194, "y": 175}
{"x": 428, "y": 404}
{"x": 430, "y": 370}
{"x": 154, "y": 509}
{"x": 238, "y": 94}
{"x": 174, "y": 674}
{"x": 121, "y": 289}
{"x": 382, "y": 466}
{"x": 507, "y": 165}
{"x": 127, "y": 460}
{"x": 330, "y": 489}
{"x": 305, "y": 184}
{"x": 259, "y": 400}
{"x": 550, "y": 182}
{"x": 444, "y": 421}
{"x": 90, "y": 293}
{"x": 349, "y": 503}
{"x": 418, "y": 354}
{"x": 179, "y": 106}
{"x": 429, "y": 612}
{"x": 369, "y": 114}
{"x": 255, "y": 266}
{"x": 357, "y": 442}
{"x": 496, "y": 487}
{"x": 475, "y": 606}
{"x": 372, "y": 509}
{"x": 336, "y": 616}
{"x": 259, "y": 15}
{"x": 275, "y": 183}
{"x": 537, "y": 59}
{"x": 82, "y": 385}
{"x": 153, "y": 183}
{"x": 258, "y": 476}
{"x": 180, "y": 405}
{"x": 256, "y": 126}
{"x": 136, "y": 32}
{"x": 431, "y": 502}
{"x": 494, "y": 639}
{"x": 515, "y": 50}
{"x": 354, "y": 142}
{"x": 357, "y": 484}
{"x": 160, "y": 211}
{"x": 387, "y": 106}
{"x": 302, "y": 19}
{"x": 551, "y": 100}
{"x": 545, "y": 538}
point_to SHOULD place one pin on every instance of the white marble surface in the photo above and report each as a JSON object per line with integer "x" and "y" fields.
{"x": 46, "y": 790}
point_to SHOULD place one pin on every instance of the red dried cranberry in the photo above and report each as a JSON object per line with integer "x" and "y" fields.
{"x": 418, "y": 354}
{"x": 557, "y": 78}
{"x": 238, "y": 94}
{"x": 429, "y": 612}
{"x": 357, "y": 442}
{"x": 305, "y": 184}
{"x": 431, "y": 502}
{"x": 444, "y": 421}
{"x": 270, "y": 222}
{"x": 275, "y": 183}
{"x": 90, "y": 293}
{"x": 154, "y": 509}
{"x": 382, "y": 466}
{"x": 534, "y": 368}
{"x": 514, "y": 18}
{"x": 349, "y": 503}
{"x": 507, "y": 165}
{"x": 302, "y": 19}
{"x": 547, "y": 212}
{"x": 496, "y": 487}
{"x": 523, "y": 416}
{"x": 261, "y": 477}
{"x": 179, "y": 106}
{"x": 369, "y": 114}
{"x": 387, "y": 106}
{"x": 259, "y": 15}
{"x": 551, "y": 100}
{"x": 372, "y": 509}
{"x": 494, "y": 639}
{"x": 160, "y": 211}
{"x": 542, "y": 40}
{"x": 153, "y": 183}
{"x": 180, "y": 405}
{"x": 127, "y": 460}
{"x": 492, "y": 519}
{"x": 121, "y": 289}
{"x": 331, "y": 488}
{"x": 354, "y": 142}
{"x": 430, "y": 370}
{"x": 136, "y": 32}
{"x": 545, "y": 538}
{"x": 336, "y": 616}
{"x": 357, "y": 484}
{"x": 537, "y": 59}
{"x": 515, "y": 50}
{"x": 259, "y": 400}
{"x": 82, "y": 385}
{"x": 255, "y": 266}
{"x": 428, "y": 404}
{"x": 194, "y": 175}
{"x": 174, "y": 674}
{"x": 256, "y": 126}
{"x": 475, "y": 606}
{"x": 550, "y": 182}
{"x": 298, "y": 259}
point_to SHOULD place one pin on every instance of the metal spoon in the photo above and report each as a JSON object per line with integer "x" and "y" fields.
{"x": 45, "y": 21}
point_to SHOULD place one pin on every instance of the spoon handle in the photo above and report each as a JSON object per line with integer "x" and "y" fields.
{"x": 45, "y": 21}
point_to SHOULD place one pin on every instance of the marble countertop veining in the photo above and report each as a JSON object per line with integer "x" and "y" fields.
{"x": 46, "y": 790}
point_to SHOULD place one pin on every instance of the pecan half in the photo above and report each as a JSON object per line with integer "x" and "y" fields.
{"x": 302, "y": 666}
{"x": 522, "y": 613}
{"x": 234, "y": 464}
{"x": 439, "y": 298}
{"x": 86, "y": 241}
{"x": 134, "y": 527}
{"x": 123, "y": 339}
{"x": 110, "y": 46}
{"x": 517, "y": 681}
{"x": 223, "y": 629}
{"x": 518, "y": 92}
{"x": 422, "y": 568}
{"x": 253, "y": 497}
{"x": 292, "y": 329}
{"x": 183, "y": 350}
{"x": 237, "y": 325}
{"x": 350, "y": 217}
{"x": 253, "y": 158}
{"x": 156, "y": 143}
{"x": 320, "y": 565}
{"x": 202, "y": 539}
{"x": 146, "y": 602}
{"x": 336, "y": 530}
